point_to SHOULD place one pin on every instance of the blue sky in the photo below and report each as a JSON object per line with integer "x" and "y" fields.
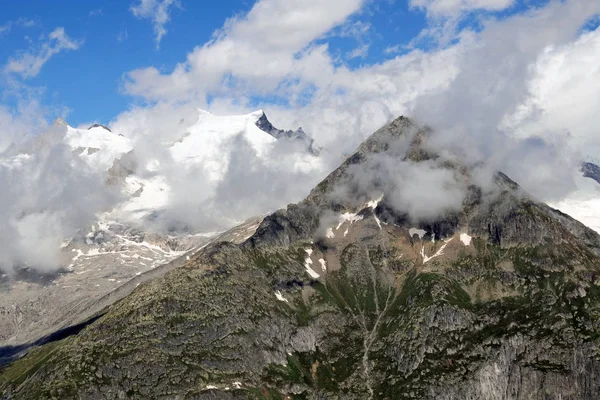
{"x": 114, "y": 41}
{"x": 86, "y": 83}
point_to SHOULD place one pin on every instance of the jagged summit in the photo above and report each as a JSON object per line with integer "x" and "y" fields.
{"x": 99, "y": 126}
{"x": 591, "y": 171}
{"x": 298, "y": 135}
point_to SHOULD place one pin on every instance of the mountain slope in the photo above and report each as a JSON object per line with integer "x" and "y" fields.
{"x": 119, "y": 244}
{"x": 351, "y": 297}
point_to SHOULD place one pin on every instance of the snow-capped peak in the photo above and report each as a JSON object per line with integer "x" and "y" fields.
{"x": 97, "y": 146}
{"x": 211, "y": 136}
{"x": 59, "y": 122}
{"x": 258, "y": 114}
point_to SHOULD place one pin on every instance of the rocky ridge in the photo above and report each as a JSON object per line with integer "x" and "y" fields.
{"x": 591, "y": 171}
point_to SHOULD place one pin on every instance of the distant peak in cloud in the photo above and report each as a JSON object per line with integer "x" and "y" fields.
{"x": 60, "y": 122}
{"x": 158, "y": 11}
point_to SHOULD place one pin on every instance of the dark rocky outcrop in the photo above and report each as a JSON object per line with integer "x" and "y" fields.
{"x": 591, "y": 171}
{"x": 100, "y": 126}
{"x": 296, "y": 136}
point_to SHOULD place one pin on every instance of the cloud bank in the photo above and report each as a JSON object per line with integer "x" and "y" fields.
{"x": 48, "y": 196}
{"x": 518, "y": 93}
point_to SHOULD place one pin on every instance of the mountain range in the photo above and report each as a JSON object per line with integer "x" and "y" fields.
{"x": 128, "y": 237}
{"x": 399, "y": 276}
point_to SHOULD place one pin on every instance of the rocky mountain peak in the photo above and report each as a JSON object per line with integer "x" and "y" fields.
{"x": 59, "y": 122}
{"x": 591, "y": 171}
{"x": 298, "y": 135}
{"x": 99, "y": 126}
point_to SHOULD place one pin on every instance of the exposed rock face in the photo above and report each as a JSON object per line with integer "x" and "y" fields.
{"x": 591, "y": 171}
{"x": 298, "y": 135}
{"x": 498, "y": 300}
{"x": 100, "y": 126}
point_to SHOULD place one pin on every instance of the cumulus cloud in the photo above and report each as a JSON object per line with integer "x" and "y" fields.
{"x": 29, "y": 63}
{"x": 495, "y": 75}
{"x": 562, "y": 92}
{"x": 158, "y": 11}
{"x": 258, "y": 52}
{"x": 420, "y": 190}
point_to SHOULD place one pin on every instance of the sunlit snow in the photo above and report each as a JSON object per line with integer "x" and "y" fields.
{"x": 419, "y": 232}
{"x": 97, "y": 146}
{"x": 466, "y": 239}
{"x": 308, "y": 262}
{"x": 323, "y": 264}
{"x": 280, "y": 296}
{"x": 437, "y": 254}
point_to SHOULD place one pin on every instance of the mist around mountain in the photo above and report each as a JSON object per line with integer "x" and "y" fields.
{"x": 404, "y": 274}
{"x": 418, "y": 269}
{"x": 213, "y": 174}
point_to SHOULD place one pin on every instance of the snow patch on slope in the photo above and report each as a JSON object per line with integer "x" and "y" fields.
{"x": 437, "y": 254}
{"x": 465, "y": 239}
{"x": 211, "y": 135}
{"x": 419, "y": 232}
{"x": 308, "y": 262}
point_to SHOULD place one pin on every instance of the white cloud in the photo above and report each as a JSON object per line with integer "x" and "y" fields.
{"x": 359, "y": 52}
{"x": 122, "y": 36}
{"x": 344, "y": 105}
{"x": 440, "y": 8}
{"x": 19, "y": 22}
{"x": 563, "y": 94}
{"x": 158, "y": 11}
{"x": 36, "y": 207}
{"x": 392, "y": 49}
{"x": 258, "y": 52}
{"x": 29, "y": 63}
{"x": 497, "y": 74}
